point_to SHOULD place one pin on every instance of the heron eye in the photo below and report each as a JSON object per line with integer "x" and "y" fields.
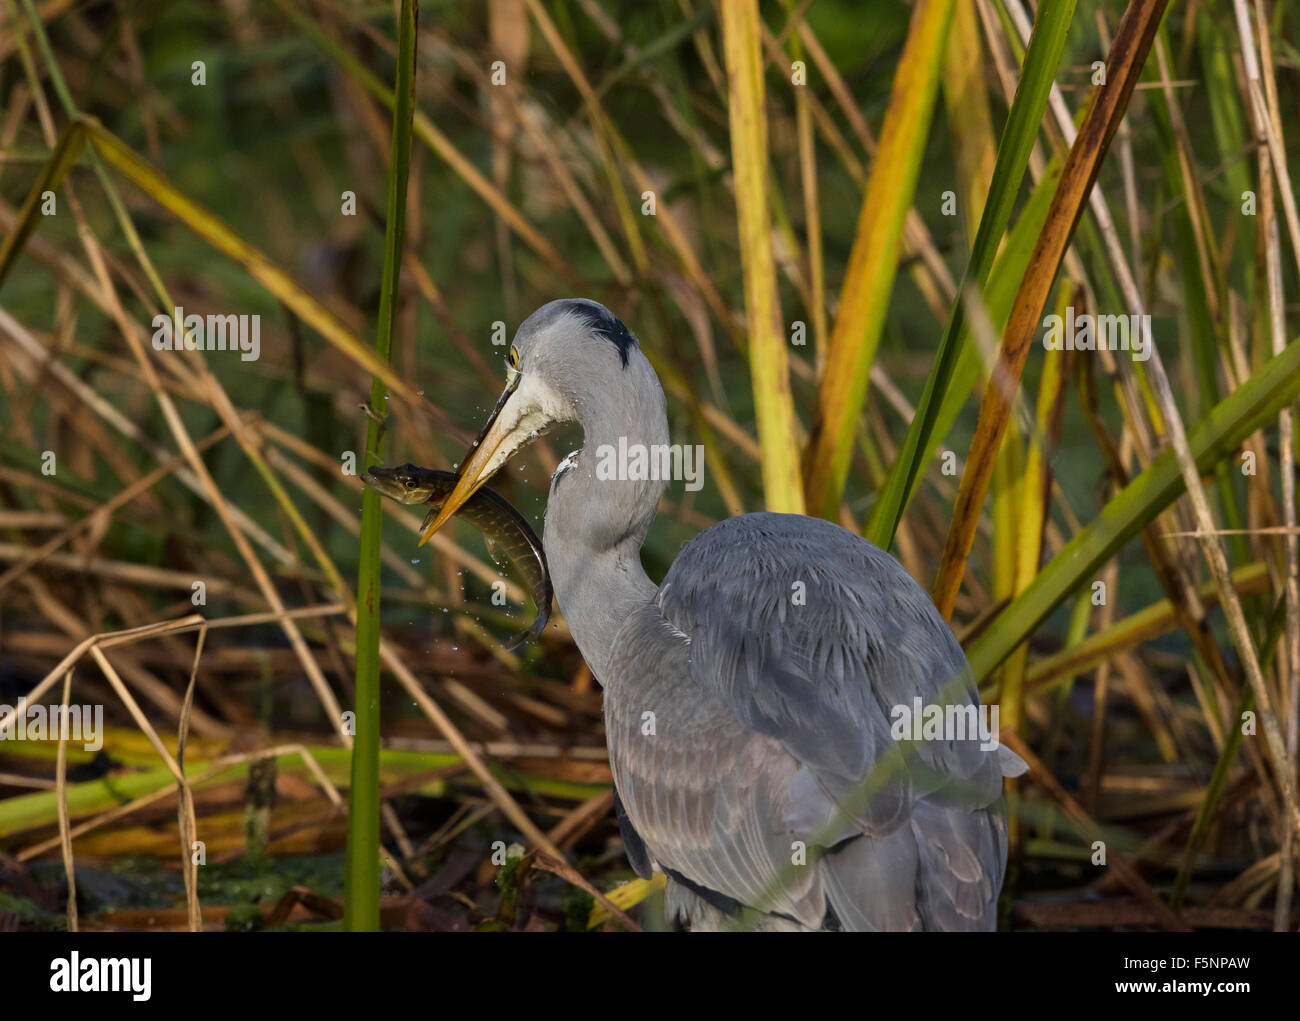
{"x": 513, "y": 360}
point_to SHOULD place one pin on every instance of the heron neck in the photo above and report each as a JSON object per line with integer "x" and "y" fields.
{"x": 600, "y": 509}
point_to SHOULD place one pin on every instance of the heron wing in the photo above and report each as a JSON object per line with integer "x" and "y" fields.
{"x": 811, "y": 637}
{"x": 637, "y": 853}
{"x": 705, "y": 796}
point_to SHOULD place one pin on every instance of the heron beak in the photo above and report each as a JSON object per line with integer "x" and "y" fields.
{"x": 476, "y": 468}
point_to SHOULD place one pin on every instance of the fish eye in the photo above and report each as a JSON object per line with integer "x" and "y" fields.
{"x": 410, "y": 483}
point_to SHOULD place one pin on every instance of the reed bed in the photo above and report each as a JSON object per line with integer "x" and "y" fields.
{"x": 838, "y": 230}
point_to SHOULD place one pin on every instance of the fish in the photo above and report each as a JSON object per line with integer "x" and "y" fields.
{"x": 503, "y": 527}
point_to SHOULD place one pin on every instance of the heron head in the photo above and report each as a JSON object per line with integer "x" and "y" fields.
{"x": 563, "y": 351}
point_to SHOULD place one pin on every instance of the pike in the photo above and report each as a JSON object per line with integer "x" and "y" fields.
{"x": 488, "y": 511}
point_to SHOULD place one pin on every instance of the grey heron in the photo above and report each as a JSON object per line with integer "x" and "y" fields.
{"x": 742, "y": 722}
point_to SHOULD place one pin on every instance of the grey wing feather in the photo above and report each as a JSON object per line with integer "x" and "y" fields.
{"x": 810, "y": 635}
{"x": 707, "y": 795}
{"x": 963, "y": 855}
{"x": 871, "y": 881}
{"x": 637, "y": 853}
